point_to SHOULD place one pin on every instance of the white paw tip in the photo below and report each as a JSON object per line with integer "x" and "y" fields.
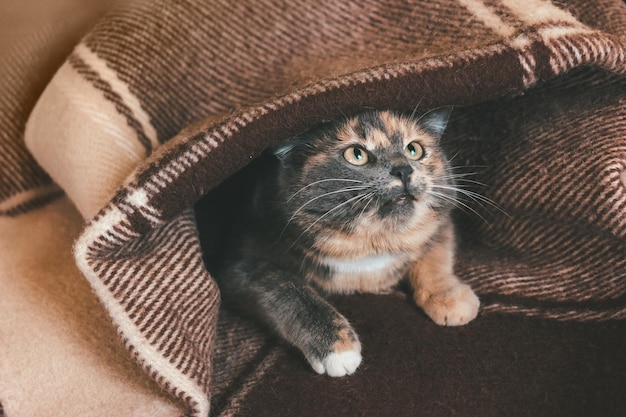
{"x": 338, "y": 363}
{"x": 317, "y": 366}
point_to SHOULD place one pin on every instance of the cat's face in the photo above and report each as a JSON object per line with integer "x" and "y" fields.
{"x": 378, "y": 170}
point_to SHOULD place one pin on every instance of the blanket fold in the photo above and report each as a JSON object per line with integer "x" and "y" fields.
{"x": 164, "y": 100}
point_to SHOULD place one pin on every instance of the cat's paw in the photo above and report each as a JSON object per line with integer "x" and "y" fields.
{"x": 456, "y": 306}
{"x": 337, "y": 363}
{"x": 344, "y": 357}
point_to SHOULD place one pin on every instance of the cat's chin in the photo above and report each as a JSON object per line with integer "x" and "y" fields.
{"x": 401, "y": 205}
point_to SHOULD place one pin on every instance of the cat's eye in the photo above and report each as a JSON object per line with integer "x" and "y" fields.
{"x": 414, "y": 151}
{"x": 356, "y": 155}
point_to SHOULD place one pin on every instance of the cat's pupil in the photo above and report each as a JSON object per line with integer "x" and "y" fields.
{"x": 414, "y": 151}
{"x": 356, "y": 156}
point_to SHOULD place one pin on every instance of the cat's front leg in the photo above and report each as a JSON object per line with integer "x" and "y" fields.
{"x": 292, "y": 308}
{"x": 305, "y": 319}
{"x": 437, "y": 290}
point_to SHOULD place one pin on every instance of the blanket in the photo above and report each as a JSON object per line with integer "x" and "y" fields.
{"x": 160, "y": 103}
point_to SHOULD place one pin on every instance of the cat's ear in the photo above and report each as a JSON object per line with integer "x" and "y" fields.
{"x": 435, "y": 121}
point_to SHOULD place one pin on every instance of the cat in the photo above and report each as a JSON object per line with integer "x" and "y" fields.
{"x": 350, "y": 206}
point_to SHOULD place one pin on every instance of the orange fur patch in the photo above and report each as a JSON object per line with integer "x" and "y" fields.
{"x": 345, "y": 342}
{"x": 373, "y": 236}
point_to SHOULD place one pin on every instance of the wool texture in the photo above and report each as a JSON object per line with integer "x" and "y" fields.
{"x": 59, "y": 351}
{"x": 162, "y": 101}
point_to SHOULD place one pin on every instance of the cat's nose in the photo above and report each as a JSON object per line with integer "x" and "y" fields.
{"x": 403, "y": 172}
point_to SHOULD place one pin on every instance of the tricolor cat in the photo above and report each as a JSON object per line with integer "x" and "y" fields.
{"x": 348, "y": 207}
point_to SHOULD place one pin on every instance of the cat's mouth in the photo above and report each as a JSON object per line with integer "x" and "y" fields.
{"x": 400, "y": 202}
{"x": 404, "y": 198}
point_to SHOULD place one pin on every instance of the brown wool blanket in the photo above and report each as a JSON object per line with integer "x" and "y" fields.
{"x": 135, "y": 118}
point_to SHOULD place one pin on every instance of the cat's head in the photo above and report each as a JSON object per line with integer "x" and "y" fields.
{"x": 377, "y": 169}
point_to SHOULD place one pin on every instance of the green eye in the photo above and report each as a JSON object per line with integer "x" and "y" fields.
{"x": 356, "y": 156}
{"x": 414, "y": 151}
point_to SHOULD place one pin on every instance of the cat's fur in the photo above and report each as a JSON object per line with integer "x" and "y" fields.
{"x": 327, "y": 220}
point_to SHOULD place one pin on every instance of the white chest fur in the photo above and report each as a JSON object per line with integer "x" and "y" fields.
{"x": 375, "y": 273}
{"x": 366, "y": 265}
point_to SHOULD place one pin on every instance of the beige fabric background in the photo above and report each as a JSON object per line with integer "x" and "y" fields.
{"x": 59, "y": 353}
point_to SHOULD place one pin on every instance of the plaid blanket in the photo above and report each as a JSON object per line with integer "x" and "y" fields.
{"x": 162, "y": 101}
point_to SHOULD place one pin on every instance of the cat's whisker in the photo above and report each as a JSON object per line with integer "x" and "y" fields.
{"x": 457, "y": 202}
{"x": 468, "y": 167}
{"x": 429, "y": 113}
{"x": 414, "y": 112}
{"x": 319, "y": 182}
{"x": 462, "y": 169}
{"x": 367, "y": 196}
{"x": 370, "y": 196}
{"x": 342, "y": 190}
{"x": 363, "y": 197}
{"x": 452, "y": 176}
{"x": 458, "y": 173}
{"x": 338, "y": 206}
{"x": 476, "y": 197}
{"x": 453, "y": 157}
{"x": 459, "y": 178}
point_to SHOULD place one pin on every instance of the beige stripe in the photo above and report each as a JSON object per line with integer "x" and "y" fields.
{"x": 488, "y": 17}
{"x": 72, "y": 115}
{"x": 139, "y": 199}
{"x": 538, "y": 12}
{"x": 27, "y": 196}
{"x": 121, "y": 88}
{"x": 560, "y": 24}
